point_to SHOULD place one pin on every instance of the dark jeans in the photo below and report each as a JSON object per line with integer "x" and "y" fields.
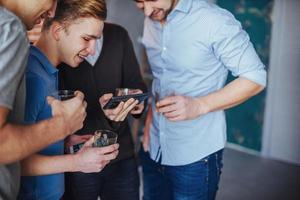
{"x": 196, "y": 181}
{"x": 117, "y": 181}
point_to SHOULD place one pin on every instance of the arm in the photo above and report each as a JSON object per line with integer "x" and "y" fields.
{"x": 177, "y": 108}
{"x": 87, "y": 160}
{"x": 119, "y": 113}
{"x": 232, "y": 47}
{"x": 18, "y": 142}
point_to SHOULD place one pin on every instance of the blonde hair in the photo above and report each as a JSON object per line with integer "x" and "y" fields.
{"x": 68, "y": 11}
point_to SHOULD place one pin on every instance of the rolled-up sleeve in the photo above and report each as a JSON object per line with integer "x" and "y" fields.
{"x": 232, "y": 46}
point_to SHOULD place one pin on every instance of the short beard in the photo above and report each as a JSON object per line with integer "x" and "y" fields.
{"x": 173, "y": 4}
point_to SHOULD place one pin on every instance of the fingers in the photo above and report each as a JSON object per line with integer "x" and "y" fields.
{"x": 128, "y": 106}
{"x": 110, "y": 156}
{"x": 51, "y": 100}
{"x": 168, "y": 108}
{"x": 89, "y": 142}
{"x": 112, "y": 113}
{"x": 104, "y": 99}
{"x": 136, "y": 91}
{"x": 76, "y": 139}
{"x": 79, "y": 95}
{"x": 107, "y": 149}
{"x": 177, "y": 118}
{"x": 138, "y": 109}
{"x": 167, "y": 101}
{"x": 85, "y": 137}
{"x": 121, "y": 111}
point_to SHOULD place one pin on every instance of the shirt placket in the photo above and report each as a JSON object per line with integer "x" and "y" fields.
{"x": 164, "y": 85}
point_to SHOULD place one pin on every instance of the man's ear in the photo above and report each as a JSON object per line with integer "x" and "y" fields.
{"x": 56, "y": 30}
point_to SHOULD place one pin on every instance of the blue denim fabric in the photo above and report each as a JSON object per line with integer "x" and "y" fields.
{"x": 196, "y": 181}
{"x": 117, "y": 181}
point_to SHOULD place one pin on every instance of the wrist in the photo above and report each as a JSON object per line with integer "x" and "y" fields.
{"x": 74, "y": 163}
{"x": 62, "y": 125}
{"x": 203, "y": 106}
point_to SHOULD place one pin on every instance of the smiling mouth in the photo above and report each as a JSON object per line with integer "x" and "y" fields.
{"x": 155, "y": 13}
{"x": 82, "y": 56}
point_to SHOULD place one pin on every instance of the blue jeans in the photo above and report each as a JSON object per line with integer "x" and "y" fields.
{"x": 196, "y": 181}
{"x": 117, "y": 181}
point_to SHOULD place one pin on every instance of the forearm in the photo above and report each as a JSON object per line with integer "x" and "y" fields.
{"x": 37, "y": 164}
{"x": 234, "y": 93}
{"x": 18, "y": 142}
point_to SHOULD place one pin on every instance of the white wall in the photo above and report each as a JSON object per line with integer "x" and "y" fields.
{"x": 126, "y": 14}
{"x": 281, "y": 138}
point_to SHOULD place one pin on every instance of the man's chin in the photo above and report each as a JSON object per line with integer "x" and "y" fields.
{"x": 73, "y": 64}
{"x": 158, "y": 18}
{"x": 29, "y": 26}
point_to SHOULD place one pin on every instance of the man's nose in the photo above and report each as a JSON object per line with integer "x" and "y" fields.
{"x": 147, "y": 9}
{"x": 92, "y": 47}
{"x": 51, "y": 12}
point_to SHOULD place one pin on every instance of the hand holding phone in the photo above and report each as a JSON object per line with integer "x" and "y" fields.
{"x": 120, "y": 112}
{"x": 116, "y": 100}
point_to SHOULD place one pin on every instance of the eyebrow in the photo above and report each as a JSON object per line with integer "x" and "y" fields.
{"x": 93, "y": 36}
{"x": 140, "y": 1}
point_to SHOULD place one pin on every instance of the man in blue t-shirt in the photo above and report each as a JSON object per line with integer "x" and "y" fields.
{"x": 69, "y": 37}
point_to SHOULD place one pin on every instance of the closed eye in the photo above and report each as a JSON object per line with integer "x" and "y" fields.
{"x": 86, "y": 39}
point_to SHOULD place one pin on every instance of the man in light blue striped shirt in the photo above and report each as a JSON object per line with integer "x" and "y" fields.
{"x": 191, "y": 46}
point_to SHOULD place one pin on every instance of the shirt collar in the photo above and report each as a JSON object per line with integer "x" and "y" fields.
{"x": 92, "y": 59}
{"x": 46, "y": 64}
{"x": 183, "y": 6}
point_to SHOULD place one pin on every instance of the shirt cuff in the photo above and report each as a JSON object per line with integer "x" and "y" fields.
{"x": 257, "y": 76}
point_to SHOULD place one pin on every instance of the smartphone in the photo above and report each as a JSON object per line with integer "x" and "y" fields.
{"x": 115, "y": 100}
{"x": 73, "y": 149}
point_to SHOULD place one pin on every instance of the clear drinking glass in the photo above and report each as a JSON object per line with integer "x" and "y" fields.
{"x": 66, "y": 94}
{"x": 125, "y": 91}
{"x": 104, "y": 138}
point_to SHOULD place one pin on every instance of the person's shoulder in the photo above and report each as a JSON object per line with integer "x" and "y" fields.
{"x": 217, "y": 14}
{"x": 34, "y": 65}
{"x": 213, "y": 17}
{"x": 10, "y": 24}
{"x": 7, "y": 17}
{"x": 114, "y": 28}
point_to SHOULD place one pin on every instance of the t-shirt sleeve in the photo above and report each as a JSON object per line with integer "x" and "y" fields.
{"x": 232, "y": 46}
{"x": 13, "y": 58}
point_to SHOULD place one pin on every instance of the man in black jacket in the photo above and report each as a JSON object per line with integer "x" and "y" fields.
{"x": 114, "y": 65}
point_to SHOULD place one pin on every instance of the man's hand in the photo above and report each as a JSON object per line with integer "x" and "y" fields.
{"x": 76, "y": 139}
{"x": 94, "y": 159}
{"x": 121, "y": 111}
{"x": 179, "y": 108}
{"x": 35, "y": 33}
{"x": 71, "y": 111}
{"x": 138, "y": 109}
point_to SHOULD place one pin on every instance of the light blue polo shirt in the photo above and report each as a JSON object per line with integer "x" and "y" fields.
{"x": 41, "y": 81}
